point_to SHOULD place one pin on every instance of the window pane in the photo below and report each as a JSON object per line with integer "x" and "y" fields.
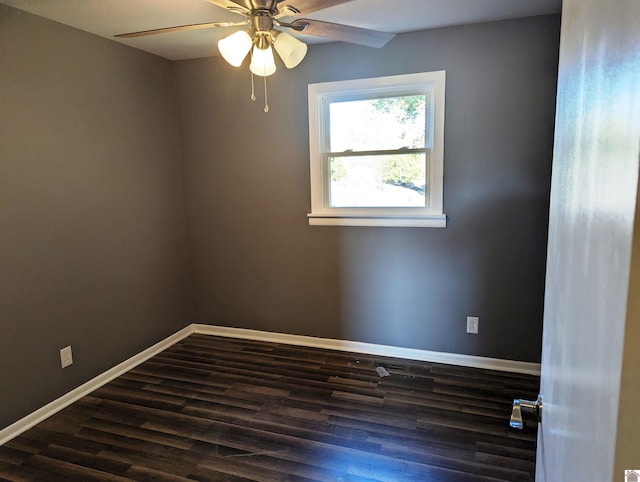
{"x": 396, "y": 180}
{"x": 377, "y": 124}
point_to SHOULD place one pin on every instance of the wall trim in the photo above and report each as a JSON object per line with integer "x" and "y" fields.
{"x": 499, "y": 364}
{"x": 76, "y": 394}
{"x": 67, "y": 399}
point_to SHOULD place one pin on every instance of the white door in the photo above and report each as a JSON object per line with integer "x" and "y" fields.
{"x": 593, "y": 206}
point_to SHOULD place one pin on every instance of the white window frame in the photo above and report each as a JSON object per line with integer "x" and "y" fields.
{"x": 430, "y": 84}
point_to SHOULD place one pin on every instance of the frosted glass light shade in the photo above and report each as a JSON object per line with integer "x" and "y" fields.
{"x": 262, "y": 61}
{"x": 235, "y": 47}
{"x": 290, "y": 49}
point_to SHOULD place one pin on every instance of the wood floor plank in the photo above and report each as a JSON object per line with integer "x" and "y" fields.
{"x": 212, "y": 408}
{"x": 69, "y": 470}
{"x": 84, "y": 459}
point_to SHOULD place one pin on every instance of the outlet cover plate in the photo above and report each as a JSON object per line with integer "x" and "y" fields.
{"x": 66, "y": 357}
{"x": 472, "y": 324}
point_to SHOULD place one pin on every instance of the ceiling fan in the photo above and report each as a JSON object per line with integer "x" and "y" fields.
{"x": 263, "y": 18}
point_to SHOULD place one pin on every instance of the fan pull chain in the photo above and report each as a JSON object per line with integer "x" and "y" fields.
{"x": 253, "y": 90}
{"x": 253, "y": 93}
{"x": 266, "y": 99}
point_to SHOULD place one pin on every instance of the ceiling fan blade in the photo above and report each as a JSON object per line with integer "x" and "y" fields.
{"x": 179, "y": 28}
{"x": 306, "y": 6}
{"x": 231, "y": 5}
{"x": 344, "y": 33}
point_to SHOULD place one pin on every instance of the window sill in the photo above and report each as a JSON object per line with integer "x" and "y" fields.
{"x": 431, "y": 221}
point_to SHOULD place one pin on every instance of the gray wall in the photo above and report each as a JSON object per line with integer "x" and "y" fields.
{"x": 258, "y": 263}
{"x": 92, "y": 232}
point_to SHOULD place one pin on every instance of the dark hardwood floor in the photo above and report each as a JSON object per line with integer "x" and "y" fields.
{"x": 212, "y": 408}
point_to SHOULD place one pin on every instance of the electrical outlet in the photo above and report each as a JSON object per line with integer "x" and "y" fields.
{"x": 66, "y": 357}
{"x": 472, "y": 324}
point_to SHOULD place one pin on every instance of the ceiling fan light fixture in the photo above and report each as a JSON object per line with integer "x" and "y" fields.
{"x": 263, "y": 19}
{"x": 290, "y": 49}
{"x": 235, "y": 47}
{"x": 262, "y": 61}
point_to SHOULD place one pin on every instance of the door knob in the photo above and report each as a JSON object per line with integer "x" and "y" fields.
{"x": 516, "y": 412}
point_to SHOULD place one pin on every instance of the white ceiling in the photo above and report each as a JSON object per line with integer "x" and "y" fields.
{"x": 109, "y": 17}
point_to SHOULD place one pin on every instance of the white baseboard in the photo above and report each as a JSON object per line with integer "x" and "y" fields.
{"x": 55, "y": 406}
{"x": 373, "y": 349}
{"x": 67, "y": 399}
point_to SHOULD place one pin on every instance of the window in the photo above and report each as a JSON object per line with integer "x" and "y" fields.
{"x": 377, "y": 151}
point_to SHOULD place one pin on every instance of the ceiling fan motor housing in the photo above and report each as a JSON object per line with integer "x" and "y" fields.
{"x": 261, "y": 20}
